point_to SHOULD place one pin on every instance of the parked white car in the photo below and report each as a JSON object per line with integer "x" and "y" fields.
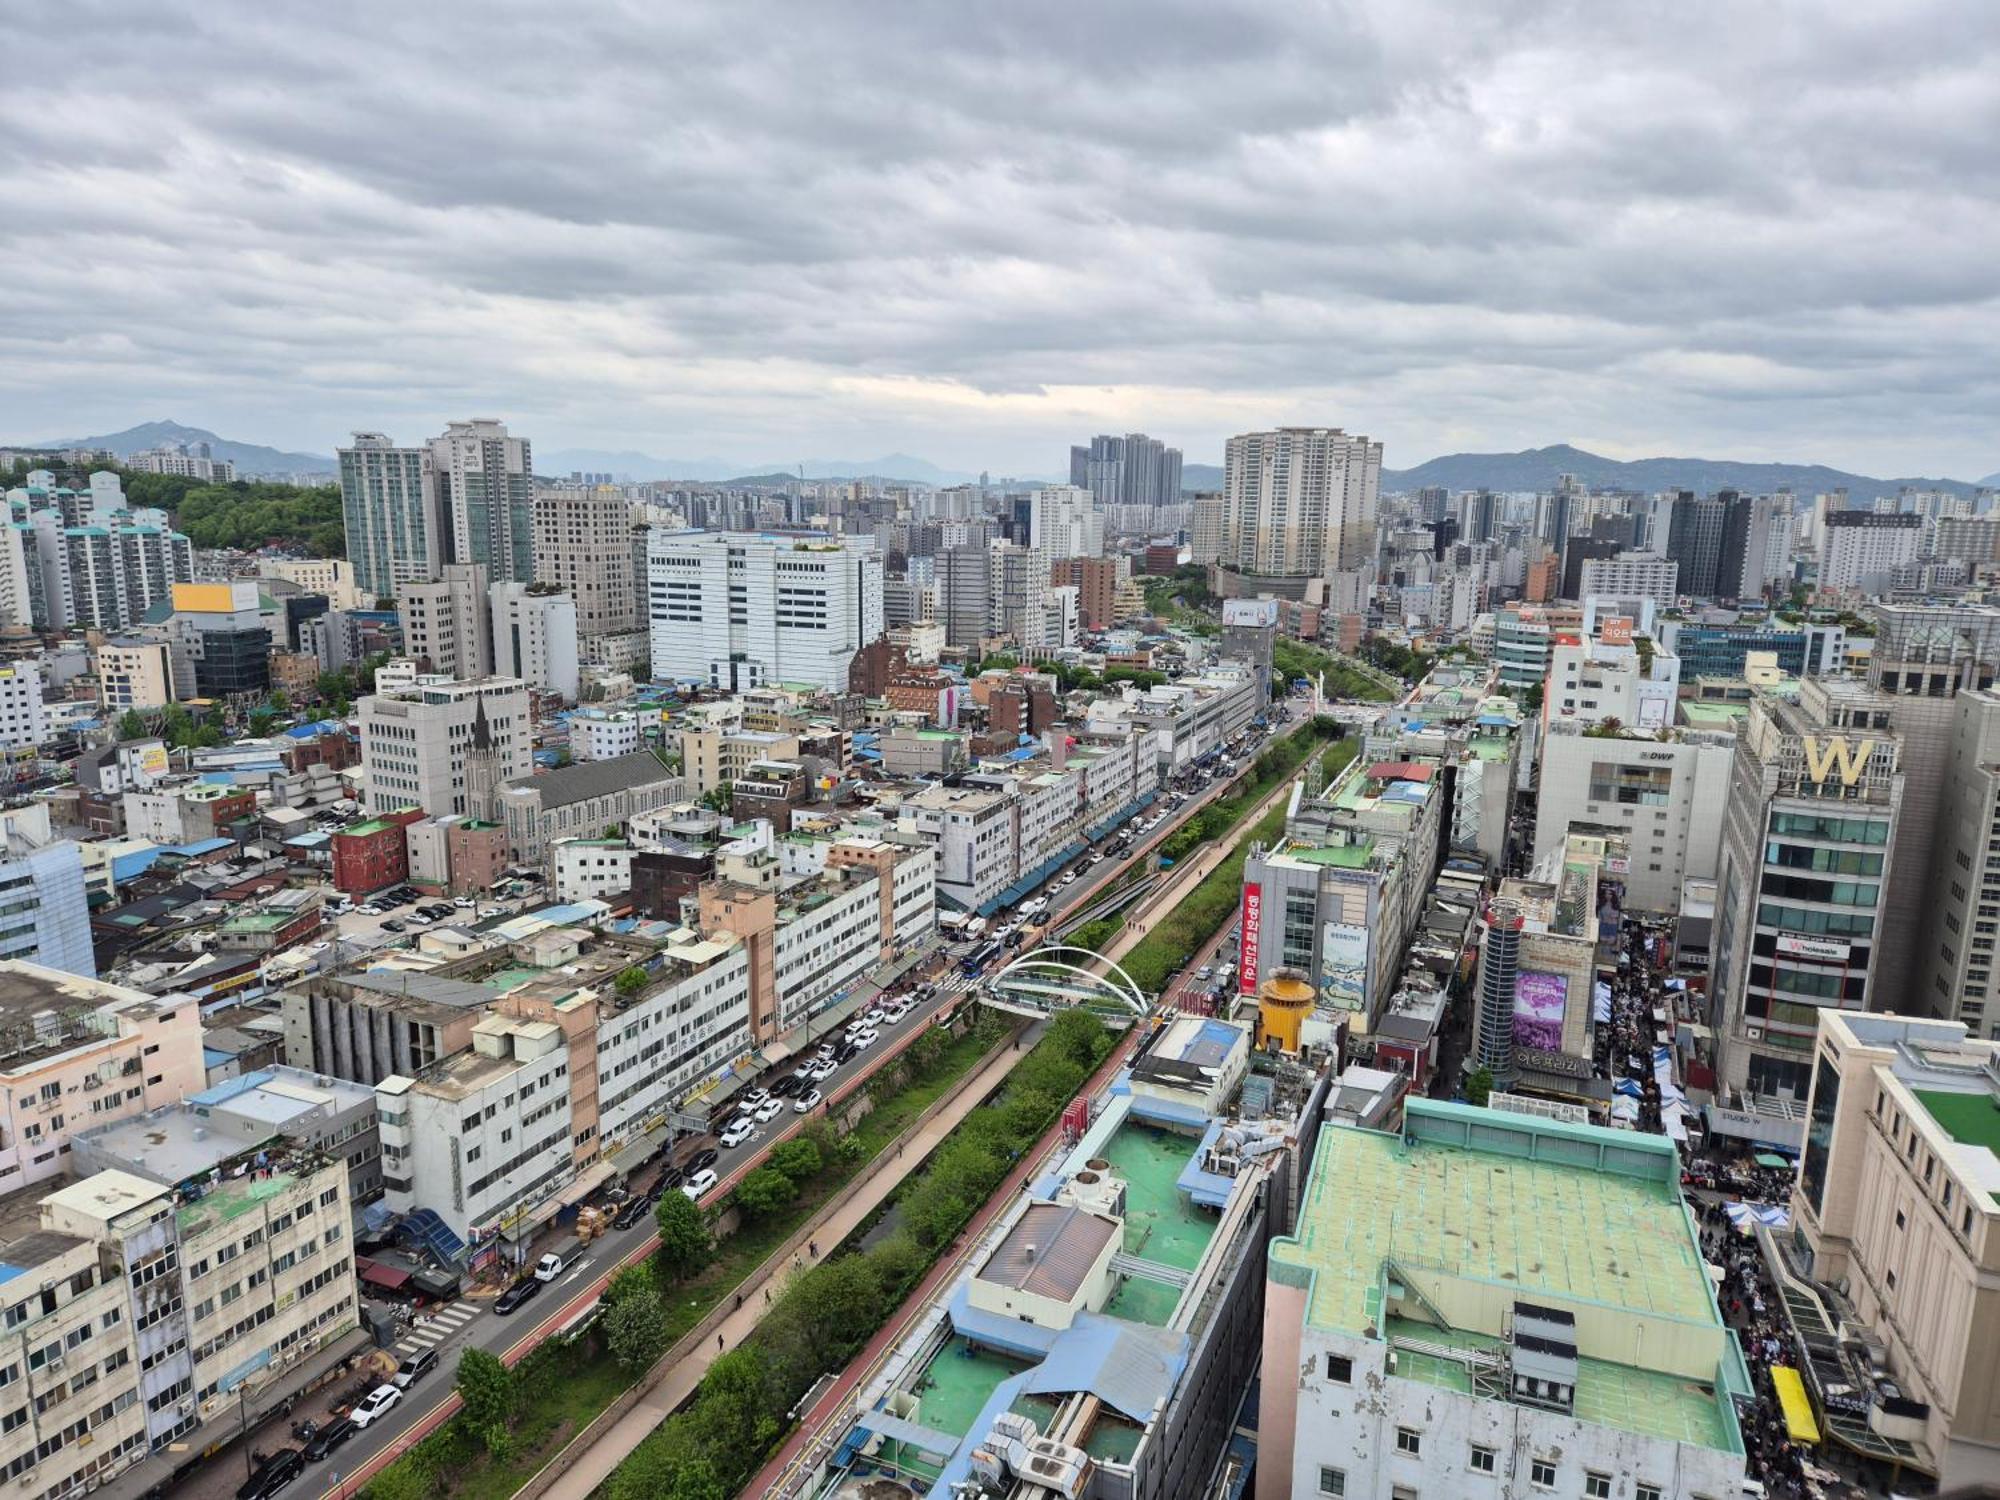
{"x": 378, "y": 1402}
{"x": 807, "y": 1102}
{"x": 700, "y": 1183}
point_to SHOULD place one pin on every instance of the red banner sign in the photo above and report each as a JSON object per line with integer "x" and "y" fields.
{"x": 1253, "y": 919}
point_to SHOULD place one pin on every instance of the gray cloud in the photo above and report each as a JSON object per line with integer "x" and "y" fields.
{"x": 980, "y": 233}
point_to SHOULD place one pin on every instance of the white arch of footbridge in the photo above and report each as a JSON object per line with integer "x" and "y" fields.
{"x": 1040, "y": 982}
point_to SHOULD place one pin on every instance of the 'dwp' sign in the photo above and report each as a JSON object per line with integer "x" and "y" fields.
{"x": 1253, "y": 921}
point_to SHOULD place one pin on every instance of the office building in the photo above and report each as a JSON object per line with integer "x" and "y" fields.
{"x": 1129, "y": 470}
{"x": 133, "y": 673}
{"x": 1894, "y": 1257}
{"x": 1095, "y": 580}
{"x": 736, "y": 611}
{"x": 1625, "y": 575}
{"x": 480, "y": 483}
{"x": 1598, "y": 680}
{"x": 1017, "y": 597}
{"x": 1963, "y": 906}
{"x": 534, "y": 637}
{"x": 44, "y": 910}
{"x": 332, "y": 578}
{"x": 448, "y": 622}
{"x": 220, "y": 643}
{"x": 1065, "y": 521}
{"x": 584, "y": 546}
{"x": 1663, "y": 794}
{"x": 1208, "y": 528}
{"x": 24, "y": 721}
{"x": 1972, "y": 539}
{"x": 442, "y": 745}
{"x": 1860, "y": 550}
{"x": 603, "y": 734}
{"x": 1495, "y": 1303}
{"x": 1808, "y": 856}
{"x": 1300, "y": 501}
{"x": 1924, "y": 656}
{"x": 964, "y": 589}
{"x": 1694, "y": 541}
{"x": 395, "y": 536}
{"x": 1250, "y": 636}
{"x": 1721, "y": 649}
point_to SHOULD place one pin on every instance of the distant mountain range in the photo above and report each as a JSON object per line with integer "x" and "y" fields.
{"x": 1198, "y": 478}
{"x": 249, "y": 458}
{"x": 1538, "y": 469}
{"x": 627, "y": 464}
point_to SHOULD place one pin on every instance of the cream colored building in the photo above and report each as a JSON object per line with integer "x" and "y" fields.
{"x": 331, "y": 576}
{"x": 76, "y": 1052}
{"x": 1895, "y": 1204}
{"x": 710, "y": 757}
{"x": 133, "y": 673}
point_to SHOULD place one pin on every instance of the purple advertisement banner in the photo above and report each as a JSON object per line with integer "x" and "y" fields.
{"x": 1539, "y": 1003}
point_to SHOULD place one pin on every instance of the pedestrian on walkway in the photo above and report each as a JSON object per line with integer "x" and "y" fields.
{"x": 813, "y": 1246}
{"x": 718, "y": 1341}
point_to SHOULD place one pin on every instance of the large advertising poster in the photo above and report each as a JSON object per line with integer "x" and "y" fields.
{"x": 1343, "y": 962}
{"x": 1253, "y": 919}
{"x": 1539, "y": 1002}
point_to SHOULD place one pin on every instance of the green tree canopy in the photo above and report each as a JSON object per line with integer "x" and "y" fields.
{"x": 685, "y": 1246}
{"x": 635, "y": 1328}
{"x": 798, "y": 1159}
{"x": 131, "y": 725}
{"x": 765, "y": 1192}
{"x": 486, "y": 1386}
{"x": 1479, "y": 1087}
{"x": 630, "y": 981}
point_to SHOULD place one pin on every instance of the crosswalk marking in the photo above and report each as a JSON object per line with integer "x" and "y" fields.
{"x": 438, "y": 1326}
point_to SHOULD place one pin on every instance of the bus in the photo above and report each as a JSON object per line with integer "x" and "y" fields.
{"x": 976, "y": 962}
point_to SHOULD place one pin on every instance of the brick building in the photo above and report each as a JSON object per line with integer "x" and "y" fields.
{"x": 1095, "y": 580}
{"x": 374, "y": 854}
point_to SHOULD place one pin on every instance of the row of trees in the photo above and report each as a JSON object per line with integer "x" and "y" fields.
{"x": 715, "y": 1444}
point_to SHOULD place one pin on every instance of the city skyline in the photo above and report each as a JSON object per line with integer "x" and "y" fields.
{"x": 1704, "y": 233}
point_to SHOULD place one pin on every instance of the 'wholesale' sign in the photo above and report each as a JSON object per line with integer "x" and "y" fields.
{"x": 1253, "y": 919}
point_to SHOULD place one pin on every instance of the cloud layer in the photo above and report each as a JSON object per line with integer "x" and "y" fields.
{"x": 766, "y": 230}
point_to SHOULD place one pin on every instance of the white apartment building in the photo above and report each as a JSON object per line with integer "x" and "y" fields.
{"x": 736, "y": 610}
{"x": 597, "y": 734}
{"x": 650, "y": 1054}
{"x": 448, "y": 623}
{"x": 395, "y": 536}
{"x": 1593, "y": 681}
{"x": 24, "y": 723}
{"x": 183, "y": 462}
{"x": 419, "y": 743}
{"x": 483, "y": 1132}
{"x": 1665, "y": 794}
{"x": 1859, "y": 549}
{"x": 133, "y": 673}
{"x": 1065, "y": 521}
{"x": 1631, "y": 575}
{"x": 974, "y": 831}
{"x": 1300, "y": 501}
{"x": 1017, "y": 598}
{"x": 1187, "y": 717}
{"x": 534, "y": 637}
{"x": 590, "y": 869}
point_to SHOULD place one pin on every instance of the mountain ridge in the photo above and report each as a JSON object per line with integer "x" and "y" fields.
{"x": 252, "y": 458}
{"x": 1538, "y": 469}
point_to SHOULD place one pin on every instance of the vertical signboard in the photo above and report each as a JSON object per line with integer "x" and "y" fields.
{"x": 1343, "y": 963}
{"x": 1253, "y": 920}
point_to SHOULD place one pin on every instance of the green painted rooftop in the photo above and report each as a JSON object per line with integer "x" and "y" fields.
{"x": 230, "y": 1199}
{"x": 1342, "y": 856}
{"x": 1969, "y": 1119}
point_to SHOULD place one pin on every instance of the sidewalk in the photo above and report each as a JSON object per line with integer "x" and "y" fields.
{"x": 584, "y": 1471}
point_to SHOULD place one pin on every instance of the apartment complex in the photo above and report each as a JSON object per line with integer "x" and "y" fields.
{"x": 1860, "y": 550}
{"x": 480, "y": 482}
{"x": 1131, "y": 470}
{"x": 442, "y": 745}
{"x": 735, "y": 610}
{"x": 1300, "y": 501}
{"x": 44, "y": 908}
{"x": 1495, "y": 1303}
{"x": 395, "y": 536}
{"x": 1065, "y": 521}
{"x": 1629, "y": 575}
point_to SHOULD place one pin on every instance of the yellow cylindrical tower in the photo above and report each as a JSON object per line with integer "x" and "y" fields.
{"x": 1283, "y": 1003}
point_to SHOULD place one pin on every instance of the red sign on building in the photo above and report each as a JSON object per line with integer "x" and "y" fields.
{"x": 1253, "y": 918}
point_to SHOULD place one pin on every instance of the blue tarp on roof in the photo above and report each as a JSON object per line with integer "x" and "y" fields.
{"x": 229, "y": 1088}
{"x": 131, "y": 866}
{"x": 313, "y": 730}
{"x": 1128, "y": 1366}
{"x": 199, "y": 847}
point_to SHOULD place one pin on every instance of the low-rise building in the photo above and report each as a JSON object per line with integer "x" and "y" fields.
{"x": 591, "y": 869}
{"x": 595, "y": 734}
{"x": 1489, "y": 1299}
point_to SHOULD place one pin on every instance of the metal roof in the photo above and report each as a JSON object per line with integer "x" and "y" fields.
{"x": 1050, "y": 1250}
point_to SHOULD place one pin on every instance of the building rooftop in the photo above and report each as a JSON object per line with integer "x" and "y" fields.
{"x": 1050, "y": 1250}
{"x": 590, "y": 779}
{"x": 1571, "y": 1216}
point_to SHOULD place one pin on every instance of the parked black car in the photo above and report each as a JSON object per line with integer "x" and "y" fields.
{"x": 785, "y": 1087}
{"x": 276, "y": 1473}
{"x": 632, "y": 1213}
{"x": 328, "y": 1438}
{"x": 701, "y": 1161}
{"x": 516, "y": 1294}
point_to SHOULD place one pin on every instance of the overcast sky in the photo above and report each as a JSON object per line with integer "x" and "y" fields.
{"x": 979, "y": 233}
